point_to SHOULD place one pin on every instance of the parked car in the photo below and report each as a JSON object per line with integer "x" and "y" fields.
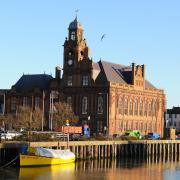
{"x": 178, "y": 137}
{"x": 154, "y": 135}
{"x": 131, "y": 134}
{"x": 10, "y": 135}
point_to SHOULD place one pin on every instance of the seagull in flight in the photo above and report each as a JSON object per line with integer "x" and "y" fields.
{"x": 103, "y": 36}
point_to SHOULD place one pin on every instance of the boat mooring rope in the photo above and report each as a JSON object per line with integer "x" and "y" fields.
{"x": 9, "y": 163}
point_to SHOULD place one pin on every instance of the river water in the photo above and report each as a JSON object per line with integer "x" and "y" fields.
{"x": 104, "y": 169}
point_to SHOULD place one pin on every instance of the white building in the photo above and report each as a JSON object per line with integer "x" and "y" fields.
{"x": 173, "y": 118}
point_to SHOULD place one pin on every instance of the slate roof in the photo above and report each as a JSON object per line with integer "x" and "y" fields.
{"x": 174, "y": 110}
{"x": 29, "y": 82}
{"x": 116, "y": 73}
{"x": 75, "y": 24}
{"x": 2, "y": 91}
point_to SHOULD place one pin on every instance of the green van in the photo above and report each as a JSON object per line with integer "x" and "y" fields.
{"x": 131, "y": 134}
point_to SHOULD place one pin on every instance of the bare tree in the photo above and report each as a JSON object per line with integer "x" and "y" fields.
{"x": 28, "y": 118}
{"x": 24, "y": 117}
{"x": 6, "y": 119}
{"x": 2, "y": 120}
{"x": 63, "y": 112}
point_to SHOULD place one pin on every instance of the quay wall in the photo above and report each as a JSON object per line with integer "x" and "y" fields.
{"x": 158, "y": 149}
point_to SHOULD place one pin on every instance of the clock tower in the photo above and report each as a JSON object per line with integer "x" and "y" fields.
{"x": 76, "y": 55}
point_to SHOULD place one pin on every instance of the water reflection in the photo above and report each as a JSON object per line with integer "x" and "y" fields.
{"x": 50, "y": 172}
{"x": 123, "y": 169}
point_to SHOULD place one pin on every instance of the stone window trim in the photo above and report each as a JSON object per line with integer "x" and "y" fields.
{"x": 100, "y": 105}
{"x": 145, "y": 108}
{"x": 120, "y": 105}
{"x": 150, "y": 108}
{"x": 69, "y": 80}
{"x": 37, "y": 101}
{"x": 130, "y": 107}
{"x": 25, "y": 101}
{"x": 153, "y": 107}
{"x": 85, "y": 80}
{"x": 73, "y": 35}
{"x": 84, "y": 104}
{"x": 141, "y": 108}
{"x": 13, "y": 104}
{"x": 136, "y": 107}
{"x": 125, "y": 106}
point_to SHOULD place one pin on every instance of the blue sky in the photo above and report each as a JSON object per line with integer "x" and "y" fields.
{"x": 32, "y": 33}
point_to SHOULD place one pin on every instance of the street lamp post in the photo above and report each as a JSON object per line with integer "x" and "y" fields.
{"x": 67, "y": 124}
{"x": 89, "y": 118}
{"x": 106, "y": 128}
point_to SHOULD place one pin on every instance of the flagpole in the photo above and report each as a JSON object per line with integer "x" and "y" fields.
{"x": 43, "y": 111}
{"x": 4, "y": 104}
{"x": 50, "y": 111}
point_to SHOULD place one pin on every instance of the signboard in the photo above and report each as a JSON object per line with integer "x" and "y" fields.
{"x": 71, "y": 129}
{"x": 86, "y": 130}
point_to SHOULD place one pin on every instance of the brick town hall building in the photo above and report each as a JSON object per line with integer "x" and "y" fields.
{"x": 109, "y": 97}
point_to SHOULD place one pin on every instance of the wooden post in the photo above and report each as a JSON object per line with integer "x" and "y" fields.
{"x": 109, "y": 151}
{"x": 81, "y": 152}
{"x": 115, "y": 150}
{"x": 105, "y": 151}
{"x": 96, "y": 151}
{"x": 160, "y": 151}
{"x": 77, "y": 151}
{"x": 92, "y": 151}
{"x": 175, "y": 151}
{"x": 168, "y": 151}
{"x": 102, "y": 151}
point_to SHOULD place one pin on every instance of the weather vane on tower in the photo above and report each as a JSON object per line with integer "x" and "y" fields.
{"x": 76, "y": 11}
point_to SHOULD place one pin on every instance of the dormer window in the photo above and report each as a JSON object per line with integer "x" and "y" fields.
{"x": 73, "y": 36}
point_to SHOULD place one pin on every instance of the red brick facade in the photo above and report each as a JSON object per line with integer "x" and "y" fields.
{"x": 109, "y": 97}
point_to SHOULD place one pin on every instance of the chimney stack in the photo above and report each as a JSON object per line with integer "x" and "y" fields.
{"x": 58, "y": 72}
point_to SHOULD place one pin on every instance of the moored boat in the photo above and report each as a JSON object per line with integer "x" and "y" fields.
{"x": 45, "y": 157}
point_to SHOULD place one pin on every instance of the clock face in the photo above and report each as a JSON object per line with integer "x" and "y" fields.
{"x": 70, "y": 62}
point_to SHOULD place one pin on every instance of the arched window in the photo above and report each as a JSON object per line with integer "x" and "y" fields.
{"x": 145, "y": 108}
{"x": 84, "y": 105}
{"x": 153, "y": 108}
{"x": 149, "y": 109}
{"x": 37, "y": 102}
{"x": 100, "y": 105}
{"x": 126, "y": 106}
{"x": 13, "y": 104}
{"x": 73, "y": 37}
{"x": 141, "y": 108}
{"x": 135, "y": 107}
{"x": 69, "y": 80}
{"x": 69, "y": 102}
{"x": 25, "y": 101}
{"x": 120, "y": 105}
{"x": 130, "y": 107}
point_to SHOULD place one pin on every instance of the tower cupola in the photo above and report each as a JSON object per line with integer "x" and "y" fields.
{"x": 75, "y": 31}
